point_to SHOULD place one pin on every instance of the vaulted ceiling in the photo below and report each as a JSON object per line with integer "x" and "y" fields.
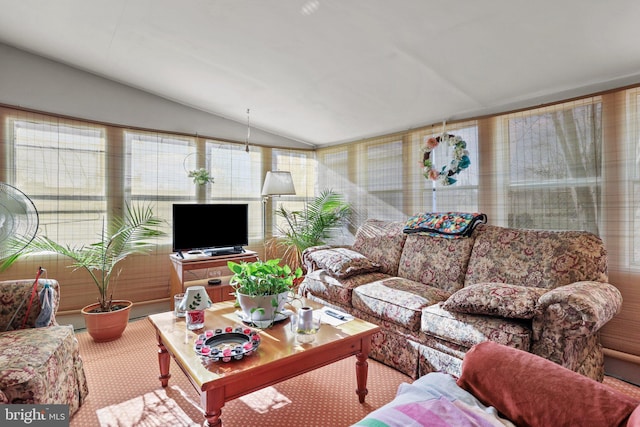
{"x": 329, "y": 71}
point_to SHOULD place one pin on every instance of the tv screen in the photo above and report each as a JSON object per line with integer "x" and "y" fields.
{"x": 210, "y": 227}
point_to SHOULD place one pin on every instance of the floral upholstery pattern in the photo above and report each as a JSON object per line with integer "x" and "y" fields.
{"x": 391, "y": 346}
{"x": 382, "y": 242}
{"x": 583, "y": 306}
{"x": 573, "y": 314}
{"x": 397, "y": 300}
{"x": 423, "y": 262}
{"x": 496, "y": 299}
{"x": 434, "y": 360}
{"x": 395, "y": 350}
{"x": 473, "y": 329}
{"x": 545, "y": 292}
{"x": 321, "y": 284}
{"x": 342, "y": 262}
{"x": 14, "y": 301}
{"x": 544, "y": 259}
{"x": 37, "y": 365}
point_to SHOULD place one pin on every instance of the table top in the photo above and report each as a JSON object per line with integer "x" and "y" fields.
{"x": 278, "y": 351}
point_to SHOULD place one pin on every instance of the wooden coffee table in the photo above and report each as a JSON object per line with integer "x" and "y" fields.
{"x": 279, "y": 356}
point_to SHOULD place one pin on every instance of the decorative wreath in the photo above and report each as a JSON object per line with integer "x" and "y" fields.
{"x": 459, "y": 162}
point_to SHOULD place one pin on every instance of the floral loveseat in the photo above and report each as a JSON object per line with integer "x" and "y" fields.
{"x": 37, "y": 365}
{"x": 544, "y": 292}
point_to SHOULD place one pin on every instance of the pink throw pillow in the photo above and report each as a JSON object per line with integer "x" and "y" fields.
{"x": 533, "y": 391}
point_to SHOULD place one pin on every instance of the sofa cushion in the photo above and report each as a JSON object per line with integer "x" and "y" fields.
{"x": 471, "y": 329}
{"x": 328, "y": 288}
{"x": 381, "y": 242}
{"x": 496, "y": 299}
{"x": 342, "y": 262}
{"x": 397, "y": 300}
{"x": 533, "y": 391}
{"x": 544, "y": 259}
{"x": 437, "y": 262}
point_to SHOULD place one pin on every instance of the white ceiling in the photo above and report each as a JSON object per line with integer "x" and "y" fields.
{"x": 329, "y": 71}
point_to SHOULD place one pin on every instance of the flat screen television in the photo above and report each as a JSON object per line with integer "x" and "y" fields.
{"x": 213, "y": 228}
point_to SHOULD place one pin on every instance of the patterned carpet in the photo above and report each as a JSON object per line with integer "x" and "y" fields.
{"x": 124, "y": 390}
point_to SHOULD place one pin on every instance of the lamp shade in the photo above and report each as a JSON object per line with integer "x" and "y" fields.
{"x": 195, "y": 298}
{"x": 278, "y": 183}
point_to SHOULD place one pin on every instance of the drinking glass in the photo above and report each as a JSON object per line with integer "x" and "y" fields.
{"x": 177, "y": 299}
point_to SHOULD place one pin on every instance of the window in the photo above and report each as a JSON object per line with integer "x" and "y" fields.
{"x": 237, "y": 176}
{"x": 383, "y": 178}
{"x": 301, "y": 164}
{"x": 461, "y": 196}
{"x": 333, "y": 170}
{"x": 157, "y": 168}
{"x": 555, "y": 168}
{"x": 61, "y": 167}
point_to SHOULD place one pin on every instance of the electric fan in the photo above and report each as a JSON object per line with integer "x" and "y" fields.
{"x": 18, "y": 220}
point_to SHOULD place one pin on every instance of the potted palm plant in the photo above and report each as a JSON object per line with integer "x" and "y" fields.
{"x": 262, "y": 287}
{"x": 312, "y": 226}
{"x": 129, "y": 234}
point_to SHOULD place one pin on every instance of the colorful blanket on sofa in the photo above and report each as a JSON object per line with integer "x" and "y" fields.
{"x": 450, "y": 225}
{"x": 433, "y": 400}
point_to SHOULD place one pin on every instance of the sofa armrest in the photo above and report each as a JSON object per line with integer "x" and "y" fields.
{"x": 14, "y": 299}
{"x": 577, "y": 309}
{"x": 308, "y": 265}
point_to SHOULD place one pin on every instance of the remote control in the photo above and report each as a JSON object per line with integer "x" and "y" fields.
{"x": 336, "y": 315}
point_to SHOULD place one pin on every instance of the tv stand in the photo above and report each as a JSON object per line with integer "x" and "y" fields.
{"x": 179, "y": 266}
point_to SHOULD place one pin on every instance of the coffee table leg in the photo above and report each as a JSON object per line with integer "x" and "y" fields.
{"x": 212, "y": 401}
{"x": 163, "y": 360}
{"x": 362, "y": 369}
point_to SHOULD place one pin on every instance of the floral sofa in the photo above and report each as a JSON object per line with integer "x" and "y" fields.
{"x": 543, "y": 292}
{"x": 38, "y": 365}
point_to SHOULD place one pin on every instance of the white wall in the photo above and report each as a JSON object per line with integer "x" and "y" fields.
{"x": 37, "y": 83}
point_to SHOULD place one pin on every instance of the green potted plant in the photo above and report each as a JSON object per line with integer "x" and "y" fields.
{"x": 262, "y": 287}
{"x": 129, "y": 234}
{"x": 310, "y": 227}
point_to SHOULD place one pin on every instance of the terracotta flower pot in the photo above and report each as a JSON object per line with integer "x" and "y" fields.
{"x": 106, "y": 326}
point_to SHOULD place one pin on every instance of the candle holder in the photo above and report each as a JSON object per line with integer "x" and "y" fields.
{"x": 306, "y": 325}
{"x": 194, "y": 303}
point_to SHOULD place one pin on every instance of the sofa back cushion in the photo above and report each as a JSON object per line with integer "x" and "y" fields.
{"x": 540, "y": 258}
{"x": 436, "y": 261}
{"x": 381, "y": 242}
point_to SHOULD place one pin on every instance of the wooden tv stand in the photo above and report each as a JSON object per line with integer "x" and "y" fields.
{"x": 216, "y": 293}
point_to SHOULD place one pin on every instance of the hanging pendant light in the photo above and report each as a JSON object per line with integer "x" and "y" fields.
{"x": 246, "y": 147}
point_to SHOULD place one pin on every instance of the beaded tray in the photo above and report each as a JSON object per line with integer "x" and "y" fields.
{"x": 228, "y": 344}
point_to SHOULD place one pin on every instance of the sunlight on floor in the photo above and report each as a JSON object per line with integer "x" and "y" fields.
{"x": 157, "y": 408}
{"x": 265, "y": 400}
